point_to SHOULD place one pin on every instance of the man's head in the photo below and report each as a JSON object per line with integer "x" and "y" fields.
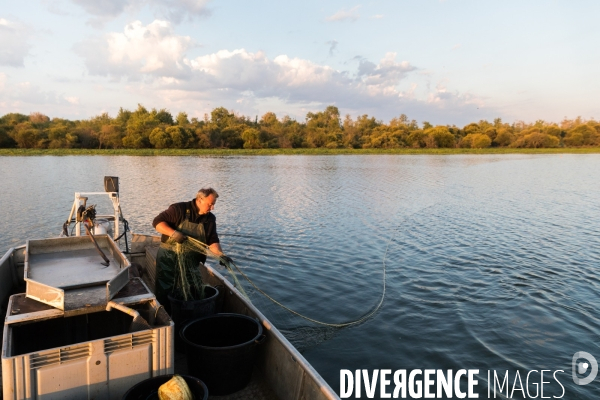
{"x": 206, "y": 199}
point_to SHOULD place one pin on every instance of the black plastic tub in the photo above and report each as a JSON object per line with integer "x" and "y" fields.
{"x": 221, "y": 350}
{"x": 183, "y": 311}
{"x": 148, "y": 389}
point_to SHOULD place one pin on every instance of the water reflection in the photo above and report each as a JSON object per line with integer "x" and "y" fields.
{"x": 491, "y": 260}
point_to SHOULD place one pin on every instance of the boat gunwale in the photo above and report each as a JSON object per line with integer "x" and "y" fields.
{"x": 297, "y": 357}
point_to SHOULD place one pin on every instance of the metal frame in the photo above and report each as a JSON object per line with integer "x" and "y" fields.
{"x": 55, "y": 296}
{"x": 114, "y": 198}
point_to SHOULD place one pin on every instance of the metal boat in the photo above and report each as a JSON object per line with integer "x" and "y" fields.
{"x": 60, "y": 342}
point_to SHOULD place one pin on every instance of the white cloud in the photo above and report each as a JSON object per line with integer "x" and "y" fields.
{"x": 172, "y": 10}
{"x": 26, "y": 97}
{"x": 30, "y": 93}
{"x": 387, "y": 72}
{"x": 179, "y": 10}
{"x": 14, "y": 46}
{"x": 104, "y": 8}
{"x": 153, "y": 49}
{"x": 55, "y": 7}
{"x": 345, "y": 15}
{"x": 153, "y": 58}
{"x": 72, "y": 99}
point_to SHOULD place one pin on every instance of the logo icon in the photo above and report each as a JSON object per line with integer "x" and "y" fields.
{"x": 582, "y": 367}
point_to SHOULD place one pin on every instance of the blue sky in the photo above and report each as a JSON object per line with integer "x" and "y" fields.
{"x": 446, "y": 62}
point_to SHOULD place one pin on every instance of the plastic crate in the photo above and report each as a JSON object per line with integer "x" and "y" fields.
{"x": 88, "y": 356}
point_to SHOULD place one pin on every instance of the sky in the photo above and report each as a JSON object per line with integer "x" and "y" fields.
{"x": 441, "y": 61}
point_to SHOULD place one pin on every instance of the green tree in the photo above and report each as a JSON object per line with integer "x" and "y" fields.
{"x": 182, "y": 119}
{"x": 57, "y": 135}
{"x": 139, "y": 126}
{"x": 123, "y": 117}
{"x": 476, "y": 141}
{"x": 39, "y": 120}
{"x": 324, "y": 128}
{"x": 225, "y": 129}
{"x": 417, "y": 138}
{"x": 251, "y": 140}
{"x": 180, "y": 137}
{"x": 383, "y": 137}
{"x": 26, "y": 136}
{"x": 293, "y": 134}
{"x": 271, "y": 131}
{"x": 160, "y": 139}
{"x": 504, "y": 138}
{"x": 163, "y": 116}
{"x": 472, "y": 129}
{"x": 5, "y": 140}
{"x": 13, "y": 119}
{"x": 111, "y": 136}
{"x": 202, "y": 137}
{"x": 534, "y": 138}
{"x": 231, "y": 137}
{"x": 440, "y": 136}
{"x": 554, "y": 130}
{"x": 221, "y": 117}
{"x": 582, "y": 135}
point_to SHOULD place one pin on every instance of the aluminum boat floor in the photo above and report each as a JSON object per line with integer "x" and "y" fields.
{"x": 256, "y": 389}
{"x": 72, "y": 268}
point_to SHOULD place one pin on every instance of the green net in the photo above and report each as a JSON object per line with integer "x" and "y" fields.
{"x": 195, "y": 245}
{"x": 188, "y": 279}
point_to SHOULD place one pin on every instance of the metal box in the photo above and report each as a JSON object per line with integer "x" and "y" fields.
{"x": 67, "y": 273}
{"x": 86, "y": 356}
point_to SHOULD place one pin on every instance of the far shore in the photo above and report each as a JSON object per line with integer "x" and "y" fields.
{"x": 302, "y": 151}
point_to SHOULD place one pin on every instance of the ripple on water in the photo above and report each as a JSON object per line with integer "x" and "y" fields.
{"x": 491, "y": 260}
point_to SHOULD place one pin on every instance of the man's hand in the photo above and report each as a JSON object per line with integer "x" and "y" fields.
{"x": 178, "y": 237}
{"x": 225, "y": 259}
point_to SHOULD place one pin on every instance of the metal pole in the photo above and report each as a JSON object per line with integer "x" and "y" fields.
{"x": 115, "y": 202}
{"x": 77, "y": 223}
{"x": 73, "y": 209}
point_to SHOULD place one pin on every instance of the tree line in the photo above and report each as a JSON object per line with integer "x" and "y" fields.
{"x": 324, "y": 129}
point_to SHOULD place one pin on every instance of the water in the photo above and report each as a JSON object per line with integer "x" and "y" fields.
{"x": 491, "y": 261}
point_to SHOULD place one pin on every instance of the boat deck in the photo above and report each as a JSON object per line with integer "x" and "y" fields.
{"x": 256, "y": 389}
{"x": 280, "y": 371}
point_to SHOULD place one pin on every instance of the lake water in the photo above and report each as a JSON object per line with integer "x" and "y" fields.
{"x": 491, "y": 261}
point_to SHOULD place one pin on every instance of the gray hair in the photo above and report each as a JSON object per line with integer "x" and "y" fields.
{"x": 205, "y": 192}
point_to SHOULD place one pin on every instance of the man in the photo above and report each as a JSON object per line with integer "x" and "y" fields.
{"x": 180, "y": 220}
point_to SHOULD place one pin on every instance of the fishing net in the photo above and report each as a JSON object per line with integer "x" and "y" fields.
{"x": 188, "y": 280}
{"x": 301, "y": 331}
{"x": 188, "y": 275}
{"x": 188, "y": 283}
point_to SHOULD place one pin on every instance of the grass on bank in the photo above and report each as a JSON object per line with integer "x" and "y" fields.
{"x": 270, "y": 152}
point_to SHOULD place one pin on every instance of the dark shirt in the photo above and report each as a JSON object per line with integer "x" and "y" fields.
{"x": 175, "y": 214}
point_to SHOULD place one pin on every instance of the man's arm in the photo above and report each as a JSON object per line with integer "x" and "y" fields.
{"x": 164, "y": 228}
{"x": 166, "y": 220}
{"x": 216, "y": 249}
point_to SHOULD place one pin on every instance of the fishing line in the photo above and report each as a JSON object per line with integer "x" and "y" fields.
{"x": 202, "y": 246}
{"x": 197, "y": 245}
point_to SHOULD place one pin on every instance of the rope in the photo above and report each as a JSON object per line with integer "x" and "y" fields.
{"x": 333, "y": 325}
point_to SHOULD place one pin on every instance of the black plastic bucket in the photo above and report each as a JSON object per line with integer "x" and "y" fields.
{"x": 221, "y": 350}
{"x": 148, "y": 389}
{"x": 184, "y": 311}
